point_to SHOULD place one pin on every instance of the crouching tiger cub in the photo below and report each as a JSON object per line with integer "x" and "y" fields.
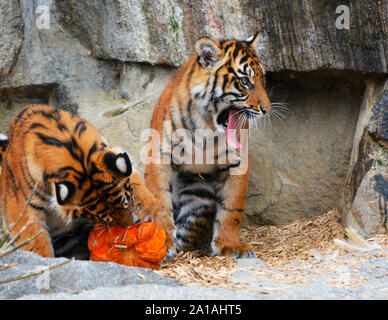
{"x": 219, "y": 89}
{"x": 73, "y": 176}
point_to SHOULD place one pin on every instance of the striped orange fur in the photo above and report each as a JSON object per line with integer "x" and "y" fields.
{"x": 75, "y": 178}
{"x": 202, "y": 204}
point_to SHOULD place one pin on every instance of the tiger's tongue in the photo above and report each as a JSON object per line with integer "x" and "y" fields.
{"x": 231, "y": 130}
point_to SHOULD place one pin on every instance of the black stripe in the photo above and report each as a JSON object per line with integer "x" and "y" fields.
{"x": 228, "y": 167}
{"x": 80, "y": 127}
{"x": 49, "y": 176}
{"x": 189, "y": 76}
{"x": 242, "y": 72}
{"x": 182, "y": 117}
{"x": 225, "y": 82}
{"x": 235, "y": 53}
{"x": 27, "y": 178}
{"x": 173, "y": 124}
{"x": 18, "y": 118}
{"x": 94, "y": 170}
{"x": 34, "y": 126}
{"x": 182, "y": 237}
{"x": 202, "y": 193}
{"x": 189, "y": 111}
{"x": 41, "y": 197}
{"x": 88, "y": 193}
{"x": 237, "y": 85}
{"x": 244, "y": 58}
{"x": 104, "y": 210}
{"x": 92, "y": 150}
{"x": 51, "y": 141}
{"x": 231, "y": 70}
{"x": 228, "y": 46}
{"x": 69, "y": 168}
{"x": 206, "y": 87}
{"x": 41, "y": 189}
{"x": 99, "y": 184}
{"x": 214, "y": 87}
{"x": 117, "y": 201}
{"x": 36, "y": 207}
{"x": 202, "y": 211}
{"x": 245, "y": 67}
{"x": 11, "y": 175}
{"x": 234, "y": 94}
{"x": 232, "y": 210}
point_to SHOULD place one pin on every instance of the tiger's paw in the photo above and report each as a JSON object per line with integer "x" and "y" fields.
{"x": 170, "y": 253}
{"x": 140, "y": 218}
{"x": 241, "y": 251}
{"x": 171, "y": 246}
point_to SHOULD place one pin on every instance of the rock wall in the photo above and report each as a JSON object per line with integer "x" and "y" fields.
{"x": 296, "y": 34}
{"x": 365, "y": 197}
{"x": 110, "y": 60}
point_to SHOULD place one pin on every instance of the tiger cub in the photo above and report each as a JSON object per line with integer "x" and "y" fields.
{"x": 72, "y": 175}
{"x": 219, "y": 89}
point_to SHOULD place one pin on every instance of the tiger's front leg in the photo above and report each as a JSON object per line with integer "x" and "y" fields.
{"x": 226, "y": 230}
{"x": 144, "y": 203}
{"x": 157, "y": 180}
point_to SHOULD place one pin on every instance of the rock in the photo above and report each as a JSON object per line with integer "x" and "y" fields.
{"x": 302, "y": 39}
{"x": 124, "y": 115}
{"x": 378, "y": 123}
{"x": 11, "y": 35}
{"x": 352, "y": 276}
{"x": 96, "y": 281}
{"x": 49, "y": 65}
{"x": 369, "y": 208}
{"x": 364, "y": 200}
{"x": 72, "y": 277}
{"x": 299, "y": 163}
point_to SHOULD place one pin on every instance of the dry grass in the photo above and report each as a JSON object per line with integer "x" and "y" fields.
{"x": 300, "y": 240}
{"x": 290, "y": 248}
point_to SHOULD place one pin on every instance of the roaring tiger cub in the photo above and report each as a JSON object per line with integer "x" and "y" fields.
{"x": 219, "y": 89}
{"x": 72, "y": 175}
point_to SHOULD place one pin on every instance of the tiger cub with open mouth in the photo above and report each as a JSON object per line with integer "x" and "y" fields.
{"x": 220, "y": 90}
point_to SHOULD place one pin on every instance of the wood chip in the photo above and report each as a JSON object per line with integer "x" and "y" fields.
{"x": 298, "y": 248}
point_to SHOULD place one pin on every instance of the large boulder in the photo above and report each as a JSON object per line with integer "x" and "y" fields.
{"x": 365, "y": 197}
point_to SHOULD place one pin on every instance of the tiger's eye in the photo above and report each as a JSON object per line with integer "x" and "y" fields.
{"x": 244, "y": 81}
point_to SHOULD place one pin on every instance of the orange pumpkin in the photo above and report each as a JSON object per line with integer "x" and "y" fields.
{"x": 142, "y": 245}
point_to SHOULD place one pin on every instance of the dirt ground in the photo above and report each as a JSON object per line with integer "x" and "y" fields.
{"x": 289, "y": 254}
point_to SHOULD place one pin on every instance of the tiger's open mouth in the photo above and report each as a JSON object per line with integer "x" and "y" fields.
{"x": 232, "y": 120}
{"x": 226, "y": 115}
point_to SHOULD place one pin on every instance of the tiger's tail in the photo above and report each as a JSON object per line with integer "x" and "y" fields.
{"x": 3, "y": 145}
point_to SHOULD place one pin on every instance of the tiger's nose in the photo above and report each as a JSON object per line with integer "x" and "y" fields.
{"x": 264, "y": 110}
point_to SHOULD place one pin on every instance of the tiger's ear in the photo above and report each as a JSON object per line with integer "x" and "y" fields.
{"x": 118, "y": 163}
{"x": 3, "y": 144}
{"x": 255, "y": 42}
{"x": 64, "y": 191}
{"x": 208, "y": 53}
